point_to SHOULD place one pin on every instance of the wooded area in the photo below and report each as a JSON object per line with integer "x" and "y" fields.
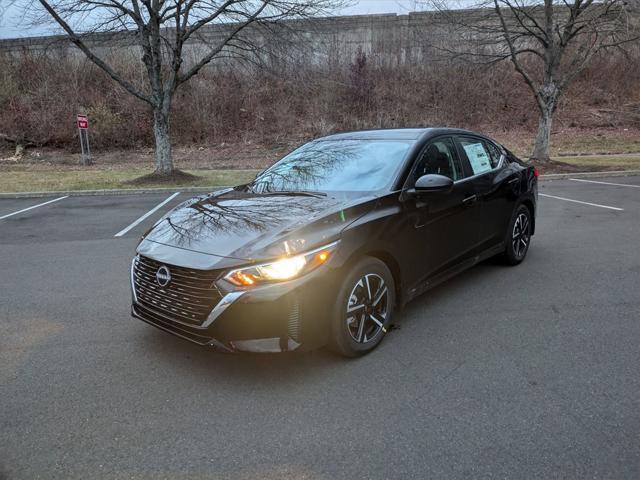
{"x": 298, "y": 97}
{"x": 40, "y": 96}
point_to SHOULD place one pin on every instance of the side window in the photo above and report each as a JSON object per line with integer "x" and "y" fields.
{"x": 438, "y": 158}
{"x": 477, "y": 154}
{"x": 495, "y": 154}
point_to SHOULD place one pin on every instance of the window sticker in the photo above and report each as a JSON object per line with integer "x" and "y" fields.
{"x": 478, "y": 157}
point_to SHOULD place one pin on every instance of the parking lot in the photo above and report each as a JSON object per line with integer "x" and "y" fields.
{"x": 526, "y": 372}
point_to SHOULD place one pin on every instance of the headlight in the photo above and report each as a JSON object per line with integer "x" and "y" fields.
{"x": 286, "y": 268}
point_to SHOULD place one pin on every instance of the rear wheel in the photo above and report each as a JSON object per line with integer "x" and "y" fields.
{"x": 518, "y": 236}
{"x": 364, "y": 308}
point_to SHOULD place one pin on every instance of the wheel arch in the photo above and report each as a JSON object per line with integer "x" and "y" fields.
{"x": 389, "y": 260}
{"x": 527, "y": 202}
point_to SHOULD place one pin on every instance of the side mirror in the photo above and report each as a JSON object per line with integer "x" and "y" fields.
{"x": 432, "y": 183}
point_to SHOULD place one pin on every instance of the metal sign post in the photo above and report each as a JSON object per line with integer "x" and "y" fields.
{"x": 83, "y": 130}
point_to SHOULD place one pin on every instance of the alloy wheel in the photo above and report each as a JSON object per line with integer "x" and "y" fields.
{"x": 367, "y": 308}
{"x": 521, "y": 235}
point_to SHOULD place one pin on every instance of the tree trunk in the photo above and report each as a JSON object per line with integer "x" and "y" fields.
{"x": 547, "y": 98}
{"x": 541, "y": 145}
{"x": 164, "y": 161}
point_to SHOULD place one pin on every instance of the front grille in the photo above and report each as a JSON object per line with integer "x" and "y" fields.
{"x": 158, "y": 320}
{"x": 189, "y": 297}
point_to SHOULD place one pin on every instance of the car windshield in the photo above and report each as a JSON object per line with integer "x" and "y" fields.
{"x": 335, "y": 165}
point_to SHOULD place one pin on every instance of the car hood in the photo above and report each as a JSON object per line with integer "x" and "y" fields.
{"x": 232, "y": 227}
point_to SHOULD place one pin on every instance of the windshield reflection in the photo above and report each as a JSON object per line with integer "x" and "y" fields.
{"x": 232, "y": 214}
{"x": 335, "y": 165}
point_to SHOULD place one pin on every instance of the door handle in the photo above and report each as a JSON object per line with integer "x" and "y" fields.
{"x": 470, "y": 200}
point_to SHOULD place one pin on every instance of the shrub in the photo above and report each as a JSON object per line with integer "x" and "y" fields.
{"x": 40, "y": 95}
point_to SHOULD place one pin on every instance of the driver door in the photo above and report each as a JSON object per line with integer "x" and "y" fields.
{"x": 445, "y": 226}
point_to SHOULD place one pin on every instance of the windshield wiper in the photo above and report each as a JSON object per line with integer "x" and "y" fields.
{"x": 294, "y": 193}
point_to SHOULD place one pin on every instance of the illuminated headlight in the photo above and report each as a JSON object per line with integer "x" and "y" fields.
{"x": 286, "y": 268}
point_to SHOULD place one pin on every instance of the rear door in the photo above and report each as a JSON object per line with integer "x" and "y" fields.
{"x": 494, "y": 183}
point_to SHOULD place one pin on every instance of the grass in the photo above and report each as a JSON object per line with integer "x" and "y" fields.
{"x": 609, "y": 162}
{"x": 593, "y": 144}
{"x": 70, "y": 180}
{"x": 58, "y": 171}
{"x": 572, "y": 143}
{"x": 21, "y": 179}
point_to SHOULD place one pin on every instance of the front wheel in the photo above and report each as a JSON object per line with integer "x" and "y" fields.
{"x": 518, "y": 236}
{"x": 364, "y": 308}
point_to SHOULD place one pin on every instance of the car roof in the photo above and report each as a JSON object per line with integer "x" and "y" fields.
{"x": 413, "y": 134}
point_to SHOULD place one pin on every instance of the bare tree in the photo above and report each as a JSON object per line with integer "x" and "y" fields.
{"x": 549, "y": 43}
{"x": 161, "y": 29}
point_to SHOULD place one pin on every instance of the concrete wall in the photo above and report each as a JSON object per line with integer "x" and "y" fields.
{"x": 389, "y": 37}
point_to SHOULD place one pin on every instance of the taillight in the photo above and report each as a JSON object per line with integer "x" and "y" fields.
{"x": 536, "y": 173}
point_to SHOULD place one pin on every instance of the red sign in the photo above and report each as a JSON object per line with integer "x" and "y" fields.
{"x": 83, "y": 122}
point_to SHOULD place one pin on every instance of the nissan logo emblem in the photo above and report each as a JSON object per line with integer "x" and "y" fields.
{"x": 163, "y": 276}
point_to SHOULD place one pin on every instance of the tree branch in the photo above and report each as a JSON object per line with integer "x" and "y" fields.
{"x": 513, "y": 54}
{"x": 77, "y": 41}
{"x": 213, "y": 53}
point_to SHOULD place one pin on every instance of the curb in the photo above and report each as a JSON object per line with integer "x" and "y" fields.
{"x": 142, "y": 191}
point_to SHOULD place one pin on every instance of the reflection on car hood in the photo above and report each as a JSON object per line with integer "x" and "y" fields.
{"x": 245, "y": 226}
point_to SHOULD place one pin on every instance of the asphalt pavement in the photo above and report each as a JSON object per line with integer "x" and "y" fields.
{"x": 503, "y": 372}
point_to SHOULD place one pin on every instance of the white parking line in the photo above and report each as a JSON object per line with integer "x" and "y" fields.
{"x": 584, "y": 203}
{"x": 35, "y": 206}
{"x": 605, "y": 183}
{"x": 150, "y": 212}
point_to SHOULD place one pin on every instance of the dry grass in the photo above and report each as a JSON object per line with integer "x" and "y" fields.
{"x": 574, "y": 142}
{"x": 603, "y": 163}
{"x": 76, "y": 179}
{"x": 251, "y": 155}
{"x": 23, "y": 178}
{"x": 58, "y": 170}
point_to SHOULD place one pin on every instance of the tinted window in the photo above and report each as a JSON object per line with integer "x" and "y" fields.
{"x": 439, "y": 158}
{"x": 336, "y": 165}
{"x": 478, "y": 155}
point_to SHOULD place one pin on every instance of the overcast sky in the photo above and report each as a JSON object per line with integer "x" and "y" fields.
{"x": 12, "y": 24}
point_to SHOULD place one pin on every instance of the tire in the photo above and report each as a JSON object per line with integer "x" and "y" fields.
{"x": 361, "y": 316}
{"x": 518, "y": 238}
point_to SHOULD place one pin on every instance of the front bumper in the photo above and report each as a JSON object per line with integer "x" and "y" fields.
{"x": 171, "y": 326}
{"x": 275, "y": 318}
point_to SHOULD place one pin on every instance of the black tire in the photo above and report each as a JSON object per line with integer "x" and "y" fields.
{"x": 347, "y": 327}
{"x": 518, "y": 239}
